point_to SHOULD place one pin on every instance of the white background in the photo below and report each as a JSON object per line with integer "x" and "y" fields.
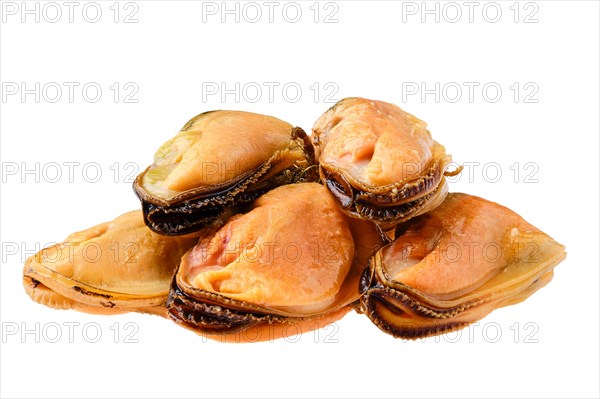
{"x": 378, "y": 50}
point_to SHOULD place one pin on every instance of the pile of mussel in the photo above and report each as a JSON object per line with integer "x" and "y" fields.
{"x": 251, "y": 230}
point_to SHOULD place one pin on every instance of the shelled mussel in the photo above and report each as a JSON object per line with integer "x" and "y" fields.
{"x": 454, "y": 265}
{"x": 379, "y": 162}
{"x": 217, "y": 160}
{"x": 114, "y": 267}
{"x": 285, "y": 266}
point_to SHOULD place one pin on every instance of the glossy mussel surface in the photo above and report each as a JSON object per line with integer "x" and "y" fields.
{"x": 114, "y": 267}
{"x": 218, "y": 160}
{"x": 454, "y": 265}
{"x": 288, "y": 261}
{"x": 379, "y": 162}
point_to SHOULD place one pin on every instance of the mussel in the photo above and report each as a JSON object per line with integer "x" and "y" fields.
{"x": 380, "y": 162}
{"x": 238, "y": 241}
{"x": 285, "y": 266}
{"x": 220, "y": 159}
{"x": 111, "y": 268}
{"x": 453, "y": 266}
